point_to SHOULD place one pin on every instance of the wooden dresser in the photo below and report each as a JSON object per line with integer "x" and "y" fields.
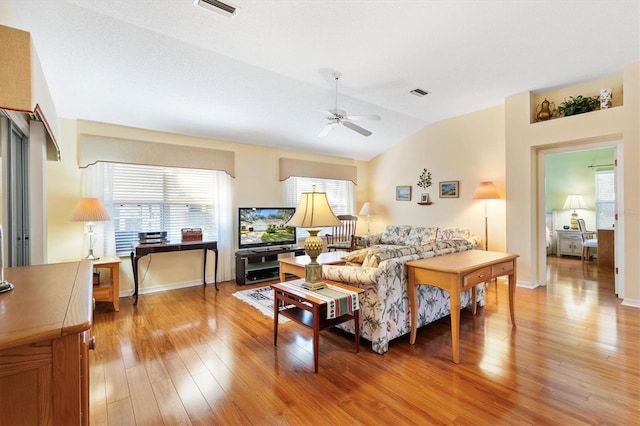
{"x": 45, "y": 326}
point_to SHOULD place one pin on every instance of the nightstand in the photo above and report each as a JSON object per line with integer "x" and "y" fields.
{"x": 108, "y": 290}
{"x": 569, "y": 242}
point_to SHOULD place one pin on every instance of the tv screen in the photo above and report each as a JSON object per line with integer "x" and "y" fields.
{"x": 265, "y": 226}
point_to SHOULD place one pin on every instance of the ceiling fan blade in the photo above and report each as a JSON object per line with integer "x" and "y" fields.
{"x": 356, "y": 128}
{"x": 363, "y": 117}
{"x": 325, "y": 130}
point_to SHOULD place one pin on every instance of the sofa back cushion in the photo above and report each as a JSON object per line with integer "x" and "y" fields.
{"x": 452, "y": 234}
{"x": 421, "y": 235}
{"x": 395, "y": 234}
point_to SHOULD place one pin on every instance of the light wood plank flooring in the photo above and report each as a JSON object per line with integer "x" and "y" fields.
{"x": 197, "y": 356}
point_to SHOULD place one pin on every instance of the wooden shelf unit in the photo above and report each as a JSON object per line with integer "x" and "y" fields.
{"x": 108, "y": 290}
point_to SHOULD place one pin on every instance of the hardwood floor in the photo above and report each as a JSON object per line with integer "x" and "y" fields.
{"x": 197, "y": 356}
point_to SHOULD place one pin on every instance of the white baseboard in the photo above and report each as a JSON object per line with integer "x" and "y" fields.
{"x": 164, "y": 287}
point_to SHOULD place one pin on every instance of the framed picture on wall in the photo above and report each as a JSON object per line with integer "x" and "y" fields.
{"x": 450, "y": 189}
{"x": 403, "y": 193}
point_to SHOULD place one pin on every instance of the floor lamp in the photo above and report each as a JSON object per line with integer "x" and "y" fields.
{"x": 486, "y": 191}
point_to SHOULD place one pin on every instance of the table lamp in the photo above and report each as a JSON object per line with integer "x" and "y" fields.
{"x": 367, "y": 208}
{"x": 90, "y": 210}
{"x": 312, "y": 213}
{"x": 486, "y": 191}
{"x": 574, "y": 201}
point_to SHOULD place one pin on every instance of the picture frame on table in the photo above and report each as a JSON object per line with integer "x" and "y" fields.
{"x": 403, "y": 193}
{"x": 450, "y": 189}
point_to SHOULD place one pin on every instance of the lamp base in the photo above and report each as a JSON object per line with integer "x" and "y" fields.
{"x": 92, "y": 256}
{"x": 313, "y": 276}
{"x": 5, "y": 286}
{"x": 574, "y": 220}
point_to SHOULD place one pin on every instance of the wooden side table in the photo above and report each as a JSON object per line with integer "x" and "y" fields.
{"x": 310, "y": 312}
{"x": 108, "y": 291}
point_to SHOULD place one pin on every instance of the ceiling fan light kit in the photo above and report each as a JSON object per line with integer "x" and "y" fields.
{"x": 337, "y": 116}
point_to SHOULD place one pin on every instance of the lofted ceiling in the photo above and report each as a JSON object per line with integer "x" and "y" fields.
{"x": 262, "y": 76}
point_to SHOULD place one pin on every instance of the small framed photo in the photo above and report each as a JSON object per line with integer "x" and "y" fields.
{"x": 450, "y": 189}
{"x": 403, "y": 193}
{"x": 424, "y": 197}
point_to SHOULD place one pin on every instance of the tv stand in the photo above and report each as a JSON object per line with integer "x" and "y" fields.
{"x": 261, "y": 264}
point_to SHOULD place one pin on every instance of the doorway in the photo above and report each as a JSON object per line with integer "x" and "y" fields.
{"x": 585, "y": 160}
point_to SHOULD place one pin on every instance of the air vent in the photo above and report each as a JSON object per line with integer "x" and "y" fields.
{"x": 419, "y": 92}
{"x": 217, "y": 6}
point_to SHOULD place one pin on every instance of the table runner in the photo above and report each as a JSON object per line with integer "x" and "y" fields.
{"x": 339, "y": 300}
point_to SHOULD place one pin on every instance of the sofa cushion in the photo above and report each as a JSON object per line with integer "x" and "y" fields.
{"x": 375, "y": 257}
{"x": 452, "y": 234}
{"x": 395, "y": 234}
{"x": 421, "y": 235}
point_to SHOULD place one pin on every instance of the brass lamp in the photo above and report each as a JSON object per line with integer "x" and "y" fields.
{"x": 312, "y": 213}
{"x": 367, "y": 208}
{"x": 90, "y": 210}
{"x": 574, "y": 201}
{"x": 486, "y": 191}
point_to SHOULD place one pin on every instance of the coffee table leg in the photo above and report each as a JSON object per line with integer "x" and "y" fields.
{"x": 356, "y": 321}
{"x": 413, "y": 305}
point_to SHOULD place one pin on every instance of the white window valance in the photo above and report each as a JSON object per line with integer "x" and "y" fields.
{"x": 314, "y": 169}
{"x": 94, "y": 148}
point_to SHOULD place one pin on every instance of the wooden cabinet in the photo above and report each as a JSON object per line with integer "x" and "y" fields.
{"x": 569, "y": 242}
{"x": 108, "y": 289}
{"x": 45, "y": 324}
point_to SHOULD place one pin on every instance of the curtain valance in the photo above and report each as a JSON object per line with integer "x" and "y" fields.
{"x": 94, "y": 148}
{"x": 303, "y": 168}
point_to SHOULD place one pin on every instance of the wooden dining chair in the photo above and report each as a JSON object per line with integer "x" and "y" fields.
{"x": 343, "y": 237}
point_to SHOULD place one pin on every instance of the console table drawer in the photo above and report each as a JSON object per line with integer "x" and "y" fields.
{"x": 476, "y": 277}
{"x": 500, "y": 269}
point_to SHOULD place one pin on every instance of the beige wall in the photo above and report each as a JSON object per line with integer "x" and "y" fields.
{"x": 469, "y": 149}
{"x": 256, "y": 183}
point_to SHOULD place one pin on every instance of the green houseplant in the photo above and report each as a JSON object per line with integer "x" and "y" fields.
{"x": 578, "y": 105}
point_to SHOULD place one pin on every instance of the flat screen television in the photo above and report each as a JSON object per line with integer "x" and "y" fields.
{"x": 265, "y": 226}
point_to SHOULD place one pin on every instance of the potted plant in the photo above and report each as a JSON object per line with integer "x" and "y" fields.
{"x": 578, "y": 105}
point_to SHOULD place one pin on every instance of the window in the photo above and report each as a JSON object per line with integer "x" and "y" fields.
{"x": 605, "y": 199}
{"x": 152, "y": 198}
{"x": 340, "y": 194}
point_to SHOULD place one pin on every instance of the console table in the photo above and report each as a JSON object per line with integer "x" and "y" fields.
{"x": 456, "y": 273}
{"x": 142, "y": 250}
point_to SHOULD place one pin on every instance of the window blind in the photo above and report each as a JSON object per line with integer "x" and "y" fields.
{"x": 151, "y": 199}
{"x": 340, "y": 193}
{"x": 605, "y": 199}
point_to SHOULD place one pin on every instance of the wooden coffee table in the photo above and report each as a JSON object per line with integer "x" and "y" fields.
{"x": 311, "y": 312}
{"x": 295, "y": 265}
{"x": 456, "y": 273}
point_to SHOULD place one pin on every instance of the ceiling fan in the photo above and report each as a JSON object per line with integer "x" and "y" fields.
{"x": 337, "y": 116}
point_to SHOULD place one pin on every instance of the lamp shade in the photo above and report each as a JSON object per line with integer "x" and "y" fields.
{"x": 486, "y": 191}
{"x": 574, "y": 201}
{"x": 90, "y": 210}
{"x": 367, "y": 208}
{"x": 314, "y": 211}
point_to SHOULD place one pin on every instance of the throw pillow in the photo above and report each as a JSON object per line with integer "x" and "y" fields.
{"x": 356, "y": 256}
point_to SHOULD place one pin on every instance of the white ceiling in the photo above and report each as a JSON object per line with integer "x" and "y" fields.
{"x": 262, "y": 76}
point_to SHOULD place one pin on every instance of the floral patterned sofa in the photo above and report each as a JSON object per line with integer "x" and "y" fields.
{"x": 380, "y": 270}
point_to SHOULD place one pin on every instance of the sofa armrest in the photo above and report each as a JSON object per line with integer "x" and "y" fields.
{"x": 354, "y": 275}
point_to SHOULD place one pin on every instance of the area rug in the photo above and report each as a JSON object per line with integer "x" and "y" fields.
{"x": 260, "y": 298}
